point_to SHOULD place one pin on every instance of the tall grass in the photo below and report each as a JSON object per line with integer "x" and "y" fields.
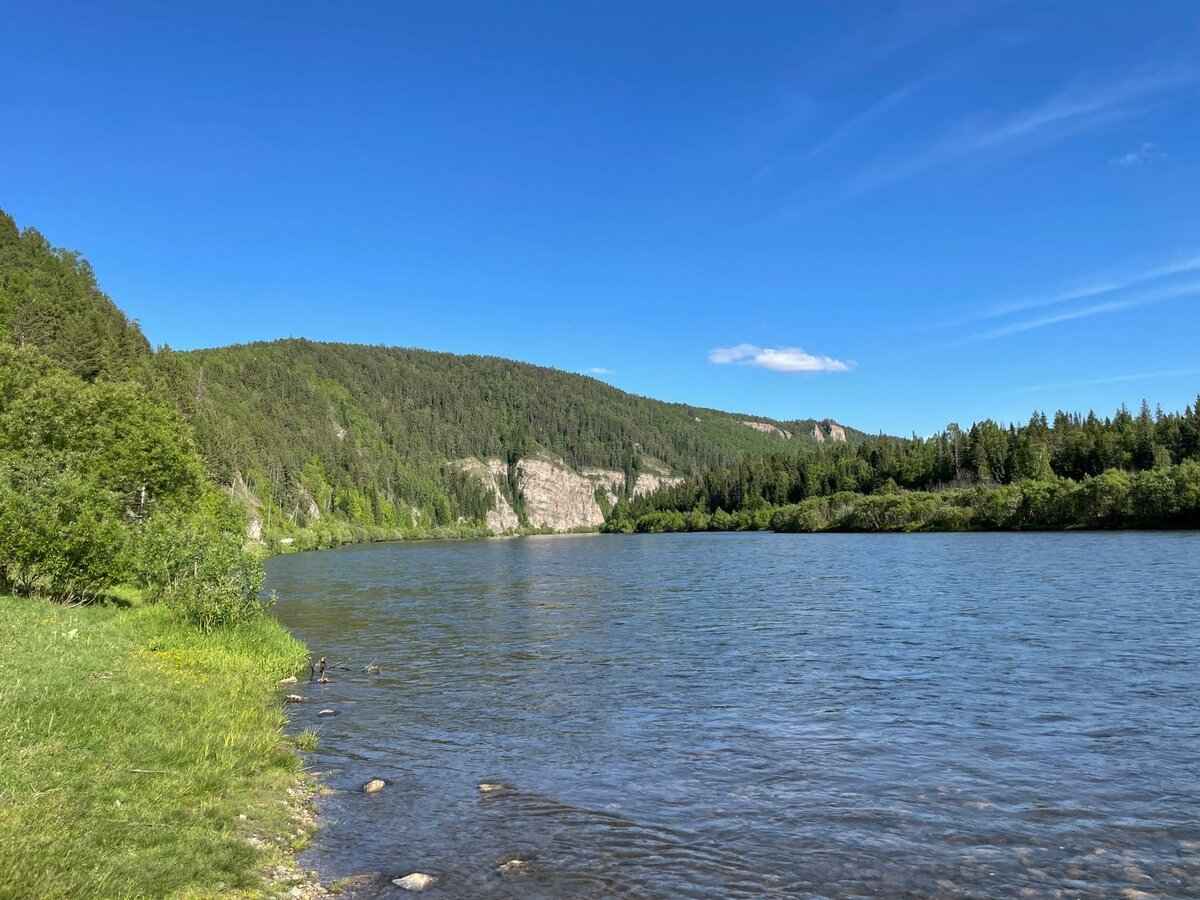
{"x": 138, "y": 758}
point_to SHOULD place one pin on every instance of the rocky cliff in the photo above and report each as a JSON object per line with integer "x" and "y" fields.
{"x": 828, "y": 429}
{"x": 768, "y": 428}
{"x": 556, "y": 496}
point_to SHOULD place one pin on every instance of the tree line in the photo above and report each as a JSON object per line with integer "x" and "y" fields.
{"x": 1078, "y": 470}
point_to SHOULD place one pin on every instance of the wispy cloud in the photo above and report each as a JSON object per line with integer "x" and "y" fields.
{"x": 1093, "y": 287}
{"x": 1144, "y": 299}
{"x": 1077, "y": 109}
{"x": 1143, "y": 155}
{"x": 779, "y": 359}
{"x": 600, "y": 370}
{"x": 1112, "y": 379}
{"x": 863, "y": 119}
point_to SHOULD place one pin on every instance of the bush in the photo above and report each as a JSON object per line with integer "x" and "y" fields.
{"x": 61, "y": 535}
{"x": 202, "y": 574}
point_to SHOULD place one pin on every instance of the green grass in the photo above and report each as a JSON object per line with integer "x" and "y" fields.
{"x": 131, "y": 748}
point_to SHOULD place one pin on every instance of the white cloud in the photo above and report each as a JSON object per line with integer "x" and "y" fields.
{"x": 600, "y": 370}
{"x": 1146, "y": 153}
{"x": 780, "y": 359}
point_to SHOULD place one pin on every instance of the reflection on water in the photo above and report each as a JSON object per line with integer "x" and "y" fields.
{"x": 760, "y": 715}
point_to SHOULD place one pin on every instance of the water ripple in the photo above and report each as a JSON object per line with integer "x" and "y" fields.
{"x": 760, "y": 715}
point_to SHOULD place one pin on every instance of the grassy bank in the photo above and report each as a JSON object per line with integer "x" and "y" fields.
{"x": 140, "y": 758}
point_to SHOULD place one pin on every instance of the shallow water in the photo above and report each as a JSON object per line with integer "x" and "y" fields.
{"x": 749, "y": 715}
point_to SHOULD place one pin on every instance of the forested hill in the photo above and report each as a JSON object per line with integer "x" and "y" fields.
{"x": 370, "y": 432}
{"x": 366, "y": 441}
{"x": 49, "y": 299}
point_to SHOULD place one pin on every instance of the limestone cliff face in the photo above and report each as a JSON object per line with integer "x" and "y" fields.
{"x": 649, "y": 482}
{"x": 610, "y": 481}
{"x": 828, "y": 430}
{"x": 768, "y": 428}
{"x": 502, "y": 518}
{"x": 556, "y": 496}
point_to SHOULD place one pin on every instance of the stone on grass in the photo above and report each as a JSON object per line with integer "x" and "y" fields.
{"x": 291, "y": 680}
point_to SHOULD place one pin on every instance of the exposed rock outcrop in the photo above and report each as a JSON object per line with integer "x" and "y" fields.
{"x": 503, "y": 518}
{"x": 649, "y": 482}
{"x": 827, "y": 429}
{"x": 768, "y": 428}
{"x": 555, "y": 495}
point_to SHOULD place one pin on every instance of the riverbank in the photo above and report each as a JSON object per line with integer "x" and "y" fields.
{"x": 143, "y": 759}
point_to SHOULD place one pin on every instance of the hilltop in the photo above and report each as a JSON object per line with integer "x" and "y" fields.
{"x": 325, "y": 443}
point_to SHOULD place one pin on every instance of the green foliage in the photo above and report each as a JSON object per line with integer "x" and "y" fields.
{"x": 200, "y": 572}
{"x": 1078, "y": 472}
{"x": 49, "y": 299}
{"x": 61, "y": 534}
{"x": 100, "y": 483}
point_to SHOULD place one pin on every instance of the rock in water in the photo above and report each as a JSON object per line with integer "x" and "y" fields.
{"x": 293, "y": 698}
{"x": 327, "y": 712}
{"x": 488, "y": 787}
{"x": 291, "y": 680}
{"x": 417, "y": 881}
{"x": 513, "y": 867}
{"x": 374, "y": 785}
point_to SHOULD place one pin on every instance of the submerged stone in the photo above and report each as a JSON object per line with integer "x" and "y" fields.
{"x": 487, "y": 787}
{"x": 417, "y": 881}
{"x": 374, "y": 785}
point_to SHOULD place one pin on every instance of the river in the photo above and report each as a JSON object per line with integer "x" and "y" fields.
{"x": 750, "y": 715}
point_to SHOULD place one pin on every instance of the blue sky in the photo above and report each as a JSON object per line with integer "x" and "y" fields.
{"x": 897, "y": 214}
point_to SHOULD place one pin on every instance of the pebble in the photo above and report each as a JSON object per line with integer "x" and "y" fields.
{"x": 375, "y": 784}
{"x": 417, "y": 881}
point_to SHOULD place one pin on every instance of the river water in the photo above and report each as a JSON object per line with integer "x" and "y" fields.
{"x": 753, "y": 715}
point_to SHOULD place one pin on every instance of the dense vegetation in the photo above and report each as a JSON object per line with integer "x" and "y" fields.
{"x": 1077, "y": 471}
{"x": 329, "y": 436}
{"x": 100, "y": 483}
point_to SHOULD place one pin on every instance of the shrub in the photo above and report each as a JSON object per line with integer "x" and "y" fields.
{"x": 200, "y": 572}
